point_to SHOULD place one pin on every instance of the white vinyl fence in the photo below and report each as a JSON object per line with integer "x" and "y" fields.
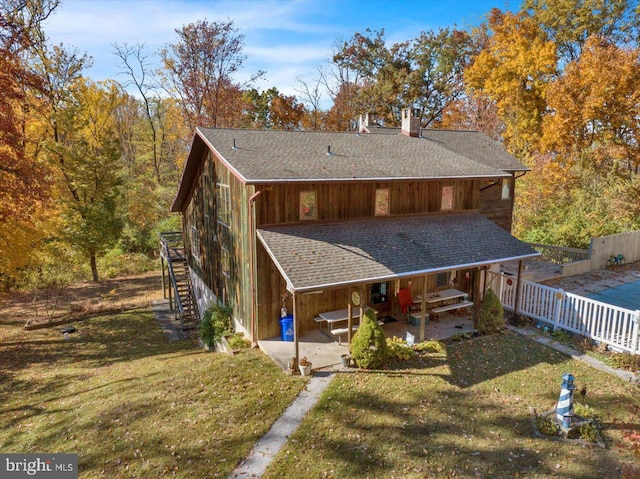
{"x": 615, "y": 326}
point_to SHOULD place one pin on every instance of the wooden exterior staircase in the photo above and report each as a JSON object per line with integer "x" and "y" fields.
{"x": 179, "y": 288}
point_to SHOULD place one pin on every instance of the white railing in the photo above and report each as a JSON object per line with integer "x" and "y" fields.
{"x": 603, "y": 322}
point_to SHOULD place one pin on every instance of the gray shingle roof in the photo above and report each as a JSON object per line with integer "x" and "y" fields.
{"x": 477, "y": 146}
{"x": 314, "y": 256}
{"x": 273, "y": 155}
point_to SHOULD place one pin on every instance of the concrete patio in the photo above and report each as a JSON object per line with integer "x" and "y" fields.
{"x": 324, "y": 350}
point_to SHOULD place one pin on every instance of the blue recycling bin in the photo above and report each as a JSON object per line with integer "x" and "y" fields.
{"x": 286, "y": 328}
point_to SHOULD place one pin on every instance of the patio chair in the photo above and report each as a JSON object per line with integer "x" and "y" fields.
{"x": 407, "y": 305}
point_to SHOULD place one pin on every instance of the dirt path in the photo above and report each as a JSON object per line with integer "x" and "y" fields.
{"x": 76, "y": 301}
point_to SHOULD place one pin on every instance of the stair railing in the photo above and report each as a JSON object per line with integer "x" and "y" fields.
{"x": 172, "y": 277}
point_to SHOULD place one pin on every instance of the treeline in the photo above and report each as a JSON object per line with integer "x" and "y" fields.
{"x": 88, "y": 169}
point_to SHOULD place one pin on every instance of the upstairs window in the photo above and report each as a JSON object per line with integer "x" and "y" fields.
{"x": 307, "y": 205}
{"x": 224, "y": 205}
{"x": 506, "y": 189}
{"x": 195, "y": 243}
{"x": 382, "y": 202}
{"x": 447, "y": 198}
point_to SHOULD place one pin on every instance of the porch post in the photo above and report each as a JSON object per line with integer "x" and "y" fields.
{"x": 484, "y": 282}
{"x": 361, "y": 311}
{"x": 349, "y": 323}
{"x": 476, "y": 296}
{"x": 296, "y": 328}
{"x": 516, "y": 305}
{"x": 423, "y": 308}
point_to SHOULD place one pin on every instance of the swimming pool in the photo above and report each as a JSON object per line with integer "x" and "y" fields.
{"x": 626, "y": 296}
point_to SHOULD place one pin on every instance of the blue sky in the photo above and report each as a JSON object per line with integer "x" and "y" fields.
{"x": 287, "y": 39}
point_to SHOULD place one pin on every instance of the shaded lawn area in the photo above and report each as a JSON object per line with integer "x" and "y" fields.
{"x": 130, "y": 404}
{"x": 463, "y": 412}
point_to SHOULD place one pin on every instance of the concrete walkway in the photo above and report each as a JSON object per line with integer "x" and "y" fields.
{"x": 271, "y": 443}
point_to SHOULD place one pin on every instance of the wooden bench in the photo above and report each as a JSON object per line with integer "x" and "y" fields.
{"x": 452, "y": 306}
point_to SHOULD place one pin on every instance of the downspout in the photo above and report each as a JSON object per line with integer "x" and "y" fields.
{"x": 252, "y": 262}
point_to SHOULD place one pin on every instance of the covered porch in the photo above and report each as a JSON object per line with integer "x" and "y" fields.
{"x": 324, "y": 350}
{"x": 321, "y": 269}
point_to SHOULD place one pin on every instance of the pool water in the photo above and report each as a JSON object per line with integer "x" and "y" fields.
{"x": 626, "y": 296}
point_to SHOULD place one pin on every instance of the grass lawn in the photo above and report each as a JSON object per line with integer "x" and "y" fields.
{"x": 463, "y": 412}
{"x": 129, "y": 403}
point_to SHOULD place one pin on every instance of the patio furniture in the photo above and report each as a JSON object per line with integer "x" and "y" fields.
{"x": 458, "y": 297}
{"x": 339, "y": 315}
{"x": 407, "y": 305}
{"x": 616, "y": 259}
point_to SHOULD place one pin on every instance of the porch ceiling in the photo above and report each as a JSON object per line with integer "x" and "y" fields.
{"x": 315, "y": 256}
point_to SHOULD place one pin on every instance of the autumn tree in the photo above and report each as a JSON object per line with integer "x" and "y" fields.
{"x": 272, "y": 110}
{"x": 589, "y": 147}
{"x": 199, "y": 72}
{"x": 90, "y": 154}
{"x": 425, "y": 72}
{"x": 569, "y": 23}
{"x": 24, "y": 179}
{"x": 512, "y": 70}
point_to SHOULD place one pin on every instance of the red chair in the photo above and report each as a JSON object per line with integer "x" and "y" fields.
{"x": 406, "y": 302}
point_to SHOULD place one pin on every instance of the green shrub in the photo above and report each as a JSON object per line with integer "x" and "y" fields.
{"x": 216, "y": 322}
{"x": 238, "y": 341}
{"x": 491, "y": 314}
{"x": 625, "y": 361}
{"x": 589, "y": 432}
{"x": 547, "y": 426}
{"x": 115, "y": 263}
{"x": 369, "y": 346}
{"x": 457, "y": 337}
{"x": 399, "y": 349}
{"x": 429, "y": 346}
{"x": 563, "y": 337}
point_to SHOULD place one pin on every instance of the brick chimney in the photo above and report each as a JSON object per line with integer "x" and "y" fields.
{"x": 410, "y": 123}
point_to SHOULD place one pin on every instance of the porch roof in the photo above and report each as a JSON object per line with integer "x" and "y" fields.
{"x": 315, "y": 256}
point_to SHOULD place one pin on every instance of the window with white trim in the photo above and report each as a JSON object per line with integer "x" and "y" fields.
{"x": 506, "y": 189}
{"x": 195, "y": 243}
{"x": 224, "y": 204}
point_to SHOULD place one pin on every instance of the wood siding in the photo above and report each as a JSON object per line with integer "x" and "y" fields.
{"x": 279, "y": 204}
{"x": 337, "y": 202}
{"x": 233, "y": 288}
{"x": 346, "y": 201}
{"x": 492, "y": 205}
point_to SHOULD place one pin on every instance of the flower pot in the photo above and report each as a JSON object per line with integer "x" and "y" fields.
{"x": 346, "y": 360}
{"x": 305, "y": 370}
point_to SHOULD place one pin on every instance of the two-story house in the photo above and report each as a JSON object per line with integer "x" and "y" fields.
{"x": 304, "y": 219}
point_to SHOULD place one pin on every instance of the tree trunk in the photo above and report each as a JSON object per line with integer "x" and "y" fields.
{"x": 94, "y": 266}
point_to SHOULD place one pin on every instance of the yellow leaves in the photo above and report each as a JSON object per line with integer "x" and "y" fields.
{"x": 593, "y": 105}
{"x": 513, "y": 69}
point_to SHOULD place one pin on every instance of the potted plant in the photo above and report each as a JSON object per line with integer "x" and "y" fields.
{"x": 346, "y": 360}
{"x": 305, "y": 367}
